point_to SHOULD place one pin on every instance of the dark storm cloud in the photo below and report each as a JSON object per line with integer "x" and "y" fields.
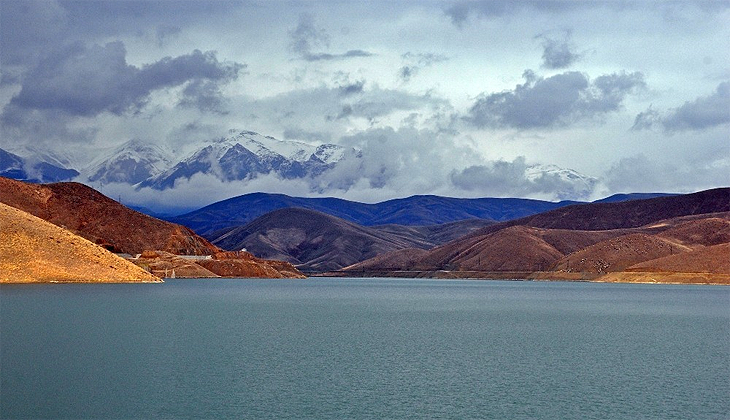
{"x": 554, "y": 101}
{"x": 307, "y": 37}
{"x": 704, "y": 112}
{"x": 27, "y": 27}
{"x": 460, "y": 11}
{"x": 503, "y": 178}
{"x": 558, "y": 53}
{"x": 204, "y": 95}
{"x": 86, "y": 81}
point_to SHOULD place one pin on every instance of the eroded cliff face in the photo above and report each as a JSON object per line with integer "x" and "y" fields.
{"x": 35, "y": 251}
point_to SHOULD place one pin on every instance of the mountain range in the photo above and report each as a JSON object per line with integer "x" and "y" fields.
{"x": 309, "y": 233}
{"x": 240, "y": 156}
{"x": 420, "y": 210}
{"x": 657, "y": 238}
{"x": 678, "y": 238}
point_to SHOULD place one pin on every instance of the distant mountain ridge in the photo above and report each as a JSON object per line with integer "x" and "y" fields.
{"x": 419, "y": 210}
{"x": 133, "y": 162}
{"x": 240, "y": 156}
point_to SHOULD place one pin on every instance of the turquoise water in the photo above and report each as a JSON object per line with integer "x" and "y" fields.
{"x": 364, "y": 349}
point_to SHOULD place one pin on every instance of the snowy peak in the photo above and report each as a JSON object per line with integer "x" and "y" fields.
{"x": 567, "y": 183}
{"x": 246, "y": 155}
{"x": 131, "y": 163}
{"x": 33, "y": 169}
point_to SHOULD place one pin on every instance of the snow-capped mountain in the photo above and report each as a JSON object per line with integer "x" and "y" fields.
{"x": 246, "y": 155}
{"x": 32, "y": 169}
{"x": 567, "y": 183}
{"x": 131, "y": 163}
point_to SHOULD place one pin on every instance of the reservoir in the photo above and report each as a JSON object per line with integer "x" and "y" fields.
{"x": 326, "y": 348}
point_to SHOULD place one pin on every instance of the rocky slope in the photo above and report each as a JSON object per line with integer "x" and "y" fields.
{"x": 33, "y": 250}
{"x": 90, "y": 214}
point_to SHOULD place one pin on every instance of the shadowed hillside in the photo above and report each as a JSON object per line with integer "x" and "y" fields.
{"x": 313, "y": 240}
{"x": 316, "y": 241}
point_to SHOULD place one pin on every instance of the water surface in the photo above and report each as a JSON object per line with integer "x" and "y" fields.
{"x": 364, "y": 349}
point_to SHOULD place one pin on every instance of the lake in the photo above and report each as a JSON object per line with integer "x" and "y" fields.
{"x": 364, "y": 349}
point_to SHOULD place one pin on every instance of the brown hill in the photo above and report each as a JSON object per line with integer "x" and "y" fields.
{"x": 515, "y": 248}
{"x": 100, "y": 219}
{"x": 630, "y": 214}
{"x": 33, "y": 250}
{"x": 707, "y": 231}
{"x": 684, "y": 249}
{"x": 711, "y": 259}
{"x": 316, "y": 241}
{"x": 400, "y": 260}
{"x": 617, "y": 254}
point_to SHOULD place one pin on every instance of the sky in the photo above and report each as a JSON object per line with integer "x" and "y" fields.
{"x": 456, "y": 98}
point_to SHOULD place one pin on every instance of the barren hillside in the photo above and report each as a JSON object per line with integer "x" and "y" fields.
{"x": 33, "y": 250}
{"x": 101, "y": 220}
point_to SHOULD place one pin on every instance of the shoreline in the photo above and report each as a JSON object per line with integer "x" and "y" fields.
{"x": 718, "y": 279}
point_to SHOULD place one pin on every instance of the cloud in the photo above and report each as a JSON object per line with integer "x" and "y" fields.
{"x": 407, "y": 159}
{"x": 345, "y": 55}
{"x": 517, "y": 179}
{"x": 460, "y": 11}
{"x": 307, "y": 36}
{"x": 165, "y": 32}
{"x": 86, "y": 81}
{"x": 27, "y": 27}
{"x": 558, "y": 53}
{"x": 335, "y": 110}
{"x": 204, "y": 95}
{"x": 702, "y": 113}
{"x": 640, "y": 173}
{"x": 554, "y": 101}
{"x": 414, "y": 62}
